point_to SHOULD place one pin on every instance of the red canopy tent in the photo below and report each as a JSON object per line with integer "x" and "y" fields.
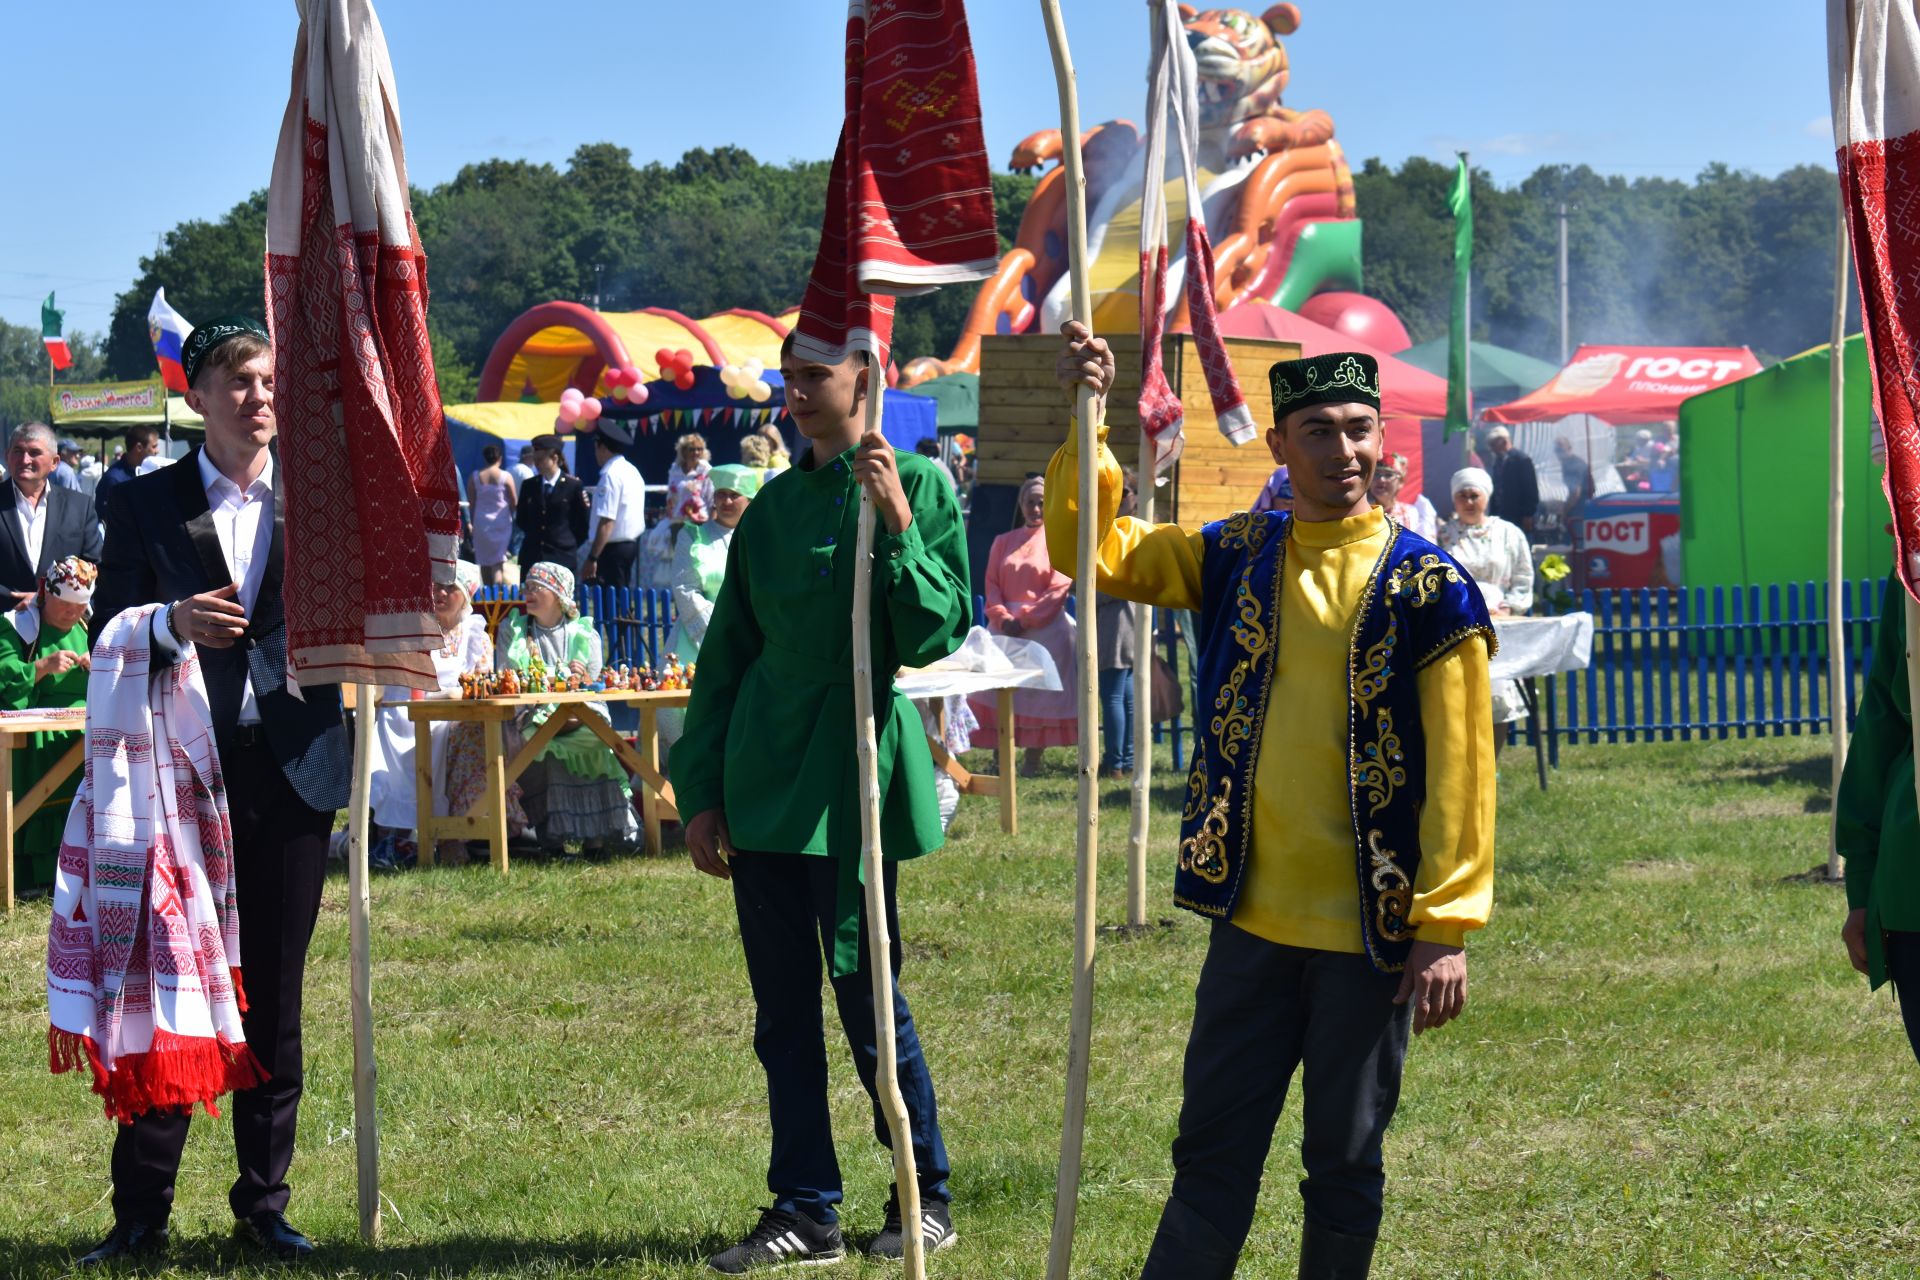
{"x": 1628, "y": 385}
{"x": 1407, "y": 393}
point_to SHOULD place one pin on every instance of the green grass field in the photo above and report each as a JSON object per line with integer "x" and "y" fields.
{"x": 1666, "y": 1068}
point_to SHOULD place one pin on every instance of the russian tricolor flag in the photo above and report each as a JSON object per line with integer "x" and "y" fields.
{"x": 168, "y": 329}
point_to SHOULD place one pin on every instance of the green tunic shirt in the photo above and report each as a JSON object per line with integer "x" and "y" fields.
{"x": 20, "y": 689}
{"x": 769, "y": 731}
{"x": 1878, "y": 824}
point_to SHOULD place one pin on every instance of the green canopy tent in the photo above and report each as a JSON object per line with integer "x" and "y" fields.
{"x": 956, "y": 398}
{"x": 1753, "y": 477}
{"x": 1498, "y": 375}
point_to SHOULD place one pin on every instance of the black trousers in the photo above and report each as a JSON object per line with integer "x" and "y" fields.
{"x": 785, "y": 902}
{"x": 280, "y": 857}
{"x": 1903, "y": 966}
{"x": 616, "y": 564}
{"x": 1262, "y": 1011}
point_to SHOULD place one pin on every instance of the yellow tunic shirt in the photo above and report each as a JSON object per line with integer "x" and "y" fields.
{"x": 1301, "y": 884}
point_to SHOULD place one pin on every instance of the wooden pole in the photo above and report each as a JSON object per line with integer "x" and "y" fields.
{"x": 873, "y": 870}
{"x": 1137, "y": 826}
{"x": 1066, "y": 1191}
{"x": 366, "y": 1124}
{"x": 1836, "y": 510}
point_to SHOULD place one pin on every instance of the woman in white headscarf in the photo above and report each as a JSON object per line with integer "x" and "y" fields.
{"x": 464, "y": 647}
{"x": 1496, "y": 553}
{"x": 699, "y": 566}
{"x": 575, "y": 789}
{"x": 1493, "y": 550}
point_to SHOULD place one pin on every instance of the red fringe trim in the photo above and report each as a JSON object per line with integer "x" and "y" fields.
{"x": 239, "y": 989}
{"x": 177, "y": 1072}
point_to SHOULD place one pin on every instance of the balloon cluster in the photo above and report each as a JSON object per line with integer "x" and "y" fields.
{"x": 576, "y": 404}
{"x": 676, "y": 365}
{"x": 747, "y": 381}
{"x": 626, "y": 384}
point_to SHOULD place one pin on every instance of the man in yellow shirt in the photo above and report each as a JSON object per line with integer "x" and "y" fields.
{"x": 1338, "y": 820}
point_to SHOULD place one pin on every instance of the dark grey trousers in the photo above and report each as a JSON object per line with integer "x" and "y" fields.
{"x": 1261, "y": 1011}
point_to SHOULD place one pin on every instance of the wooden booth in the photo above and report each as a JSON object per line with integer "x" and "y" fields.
{"x": 1024, "y": 417}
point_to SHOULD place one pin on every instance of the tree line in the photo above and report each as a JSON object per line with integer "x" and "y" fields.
{"x": 1726, "y": 259}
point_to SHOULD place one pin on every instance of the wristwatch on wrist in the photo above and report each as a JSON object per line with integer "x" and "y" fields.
{"x": 173, "y": 630}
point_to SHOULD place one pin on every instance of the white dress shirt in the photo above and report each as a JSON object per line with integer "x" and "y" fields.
{"x": 243, "y": 521}
{"x": 621, "y": 498}
{"x": 33, "y": 523}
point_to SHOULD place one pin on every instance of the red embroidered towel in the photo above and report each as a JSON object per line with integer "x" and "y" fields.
{"x": 373, "y": 517}
{"x": 910, "y": 197}
{"x": 1173, "y": 85}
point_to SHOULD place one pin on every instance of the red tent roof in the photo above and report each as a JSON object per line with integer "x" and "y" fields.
{"x": 1405, "y": 391}
{"x": 1625, "y": 385}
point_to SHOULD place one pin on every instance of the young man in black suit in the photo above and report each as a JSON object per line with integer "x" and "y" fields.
{"x": 552, "y": 511}
{"x": 205, "y": 537}
{"x": 44, "y": 523}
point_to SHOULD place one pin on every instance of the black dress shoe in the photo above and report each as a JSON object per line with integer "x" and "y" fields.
{"x": 270, "y": 1230}
{"x": 129, "y": 1240}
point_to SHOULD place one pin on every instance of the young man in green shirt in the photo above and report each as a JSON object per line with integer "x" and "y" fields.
{"x": 766, "y": 772}
{"x": 1878, "y": 828}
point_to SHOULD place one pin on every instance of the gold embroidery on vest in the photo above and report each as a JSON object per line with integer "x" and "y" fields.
{"x": 1395, "y": 890}
{"x": 1205, "y": 851}
{"x": 1234, "y": 724}
{"x": 1422, "y": 580}
{"x": 1381, "y": 769}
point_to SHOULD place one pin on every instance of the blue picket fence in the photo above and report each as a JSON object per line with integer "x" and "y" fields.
{"x": 1672, "y": 664}
{"x": 1676, "y": 664}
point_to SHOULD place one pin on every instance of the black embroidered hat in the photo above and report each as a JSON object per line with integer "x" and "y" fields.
{"x": 1338, "y": 377}
{"x": 205, "y": 337}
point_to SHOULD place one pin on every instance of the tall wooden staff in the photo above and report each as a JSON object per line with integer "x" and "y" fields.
{"x": 1142, "y": 719}
{"x": 879, "y": 943}
{"x": 366, "y": 1124}
{"x": 1836, "y": 510}
{"x": 1066, "y": 1192}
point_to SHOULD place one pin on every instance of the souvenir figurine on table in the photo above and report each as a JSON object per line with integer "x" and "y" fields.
{"x": 509, "y": 683}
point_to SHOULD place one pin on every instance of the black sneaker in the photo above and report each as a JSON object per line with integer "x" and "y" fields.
{"x": 782, "y": 1240}
{"x": 936, "y": 1228}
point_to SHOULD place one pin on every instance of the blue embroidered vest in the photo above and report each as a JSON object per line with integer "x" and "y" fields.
{"x": 1419, "y": 605}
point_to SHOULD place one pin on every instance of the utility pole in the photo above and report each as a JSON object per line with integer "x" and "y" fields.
{"x": 1565, "y": 347}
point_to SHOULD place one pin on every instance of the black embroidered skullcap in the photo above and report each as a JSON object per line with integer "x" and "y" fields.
{"x": 206, "y": 337}
{"x": 1338, "y": 377}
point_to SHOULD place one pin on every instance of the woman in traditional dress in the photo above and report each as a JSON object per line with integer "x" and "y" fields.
{"x": 1027, "y": 598}
{"x": 1389, "y": 474}
{"x": 464, "y": 647}
{"x": 492, "y": 494}
{"x": 44, "y": 663}
{"x": 576, "y": 789}
{"x": 699, "y": 566}
{"x": 1496, "y": 553}
{"x": 1493, "y": 550}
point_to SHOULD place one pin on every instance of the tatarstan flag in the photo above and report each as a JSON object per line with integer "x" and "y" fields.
{"x": 50, "y": 334}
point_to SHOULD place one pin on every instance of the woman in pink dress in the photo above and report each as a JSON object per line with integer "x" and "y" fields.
{"x": 492, "y": 495}
{"x": 1027, "y": 599}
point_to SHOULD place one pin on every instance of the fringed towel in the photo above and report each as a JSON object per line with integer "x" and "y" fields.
{"x": 1173, "y": 84}
{"x": 911, "y": 167}
{"x": 373, "y": 519}
{"x": 143, "y": 952}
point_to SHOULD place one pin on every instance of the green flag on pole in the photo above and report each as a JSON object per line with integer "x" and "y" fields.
{"x": 50, "y": 325}
{"x": 1459, "y": 348}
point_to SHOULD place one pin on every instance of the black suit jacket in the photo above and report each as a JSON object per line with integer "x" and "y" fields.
{"x": 1516, "y": 490}
{"x": 160, "y": 547}
{"x": 555, "y": 522}
{"x": 72, "y": 530}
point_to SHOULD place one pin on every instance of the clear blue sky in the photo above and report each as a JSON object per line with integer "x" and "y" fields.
{"x": 126, "y": 118}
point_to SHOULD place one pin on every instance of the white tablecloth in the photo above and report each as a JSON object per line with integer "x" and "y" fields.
{"x": 985, "y": 662}
{"x": 1542, "y": 646}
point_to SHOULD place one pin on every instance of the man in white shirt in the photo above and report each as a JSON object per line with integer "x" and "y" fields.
{"x": 205, "y": 538}
{"x": 47, "y": 523}
{"x": 619, "y": 509}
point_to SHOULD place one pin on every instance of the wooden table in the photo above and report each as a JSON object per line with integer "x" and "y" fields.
{"x": 487, "y": 818}
{"x": 17, "y": 731}
{"x": 981, "y": 784}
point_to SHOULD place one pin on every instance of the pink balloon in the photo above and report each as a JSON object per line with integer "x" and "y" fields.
{"x": 572, "y": 395}
{"x": 569, "y": 411}
{"x": 590, "y": 409}
{"x": 637, "y": 393}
